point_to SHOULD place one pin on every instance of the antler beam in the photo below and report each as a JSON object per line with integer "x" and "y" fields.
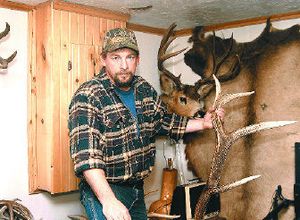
{"x": 4, "y": 62}
{"x": 224, "y": 143}
{"x": 168, "y": 38}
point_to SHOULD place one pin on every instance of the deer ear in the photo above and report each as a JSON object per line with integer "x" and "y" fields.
{"x": 167, "y": 84}
{"x": 205, "y": 90}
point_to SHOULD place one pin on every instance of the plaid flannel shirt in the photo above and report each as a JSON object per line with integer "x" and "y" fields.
{"x": 103, "y": 132}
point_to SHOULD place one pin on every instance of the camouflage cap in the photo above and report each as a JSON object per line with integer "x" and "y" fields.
{"x": 119, "y": 38}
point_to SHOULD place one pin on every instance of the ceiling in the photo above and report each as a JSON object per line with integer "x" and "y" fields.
{"x": 189, "y": 13}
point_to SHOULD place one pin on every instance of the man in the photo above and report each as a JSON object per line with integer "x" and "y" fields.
{"x": 113, "y": 121}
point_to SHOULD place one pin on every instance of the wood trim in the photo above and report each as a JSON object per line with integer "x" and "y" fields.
{"x": 88, "y": 10}
{"x": 146, "y": 29}
{"x": 15, "y": 6}
{"x": 31, "y": 94}
{"x": 241, "y": 23}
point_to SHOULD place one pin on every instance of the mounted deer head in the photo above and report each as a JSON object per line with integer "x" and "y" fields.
{"x": 188, "y": 100}
{"x": 224, "y": 142}
{"x": 4, "y": 62}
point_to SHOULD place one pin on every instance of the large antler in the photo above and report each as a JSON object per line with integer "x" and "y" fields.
{"x": 224, "y": 143}
{"x": 167, "y": 39}
{"x": 232, "y": 72}
{"x": 4, "y": 62}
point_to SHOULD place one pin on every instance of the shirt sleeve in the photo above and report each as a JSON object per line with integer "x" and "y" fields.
{"x": 168, "y": 123}
{"x": 86, "y": 140}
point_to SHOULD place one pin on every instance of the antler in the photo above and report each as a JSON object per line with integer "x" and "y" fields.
{"x": 224, "y": 143}
{"x": 230, "y": 74}
{"x": 168, "y": 38}
{"x": 4, "y": 62}
{"x": 13, "y": 210}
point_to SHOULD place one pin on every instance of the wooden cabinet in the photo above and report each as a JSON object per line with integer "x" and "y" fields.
{"x": 65, "y": 47}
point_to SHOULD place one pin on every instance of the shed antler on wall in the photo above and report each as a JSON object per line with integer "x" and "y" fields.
{"x": 11, "y": 209}
{"x": 4, "y": 62}
{"x": 224, "y": 143}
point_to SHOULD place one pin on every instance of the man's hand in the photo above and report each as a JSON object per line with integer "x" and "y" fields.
{"x": 199, "y": 124}
{"x": 207, "y": 123}
{"x": 113, "y": 209}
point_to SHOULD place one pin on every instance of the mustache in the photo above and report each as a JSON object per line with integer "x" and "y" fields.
{"x": 124, "y": 72}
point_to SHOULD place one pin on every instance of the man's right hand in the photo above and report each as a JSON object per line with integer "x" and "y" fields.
{"x": 113, "y": 209}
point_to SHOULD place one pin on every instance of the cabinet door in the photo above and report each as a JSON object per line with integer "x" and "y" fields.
{"x": 67, "y": 54}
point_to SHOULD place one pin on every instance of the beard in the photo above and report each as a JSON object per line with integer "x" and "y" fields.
{"x": 121, "y": 82}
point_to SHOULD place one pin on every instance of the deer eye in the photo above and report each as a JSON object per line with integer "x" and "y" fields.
{"x": 182, "y": 100}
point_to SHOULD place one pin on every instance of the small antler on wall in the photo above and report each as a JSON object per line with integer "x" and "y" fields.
{"x": 223, "y": 146}
{"x": 4, "y": 62}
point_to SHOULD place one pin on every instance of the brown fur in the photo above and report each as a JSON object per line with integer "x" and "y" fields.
{"x": 270, "y": 67}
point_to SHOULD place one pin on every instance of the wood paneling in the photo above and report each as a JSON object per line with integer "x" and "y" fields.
{"x": 67, "y": 54}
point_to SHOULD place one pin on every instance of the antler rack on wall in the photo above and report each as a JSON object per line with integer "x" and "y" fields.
{"x": 4, "y": 62}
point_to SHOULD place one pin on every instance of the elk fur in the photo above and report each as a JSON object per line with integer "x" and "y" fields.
{"x": 270, "y": 66}
{"x": 273, "y": 72}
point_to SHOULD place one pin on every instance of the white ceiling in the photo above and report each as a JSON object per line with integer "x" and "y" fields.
{"x": 189, "y": 13}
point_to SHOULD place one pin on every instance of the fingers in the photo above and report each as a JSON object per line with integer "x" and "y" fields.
{"x": 220, "y": 112}
{"x": 116, "y": 211}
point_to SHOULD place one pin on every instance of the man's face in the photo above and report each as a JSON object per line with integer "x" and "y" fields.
{"x": 120, "y": 66}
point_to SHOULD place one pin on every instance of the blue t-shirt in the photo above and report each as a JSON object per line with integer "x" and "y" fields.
{"x": 128, "y": 99}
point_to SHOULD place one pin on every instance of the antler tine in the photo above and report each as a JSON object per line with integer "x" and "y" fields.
{"x": 11, "y": 57}
{"x": 228, "y": 97}
{"x": 258, "y": 127}
{"x": 222, "y": 100}
{"x": 167, "y": 35}
{"x": 167, "y": 39}
{"x": 219, "y": 64}
{"x": 230, "y": 186}
{"x": 218, "y": 91}
{"x": 213, "y": 53}
{"x": 233, "y": 72}
{"x": 165, "y": 216}
{"x": 5, "y": 32}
